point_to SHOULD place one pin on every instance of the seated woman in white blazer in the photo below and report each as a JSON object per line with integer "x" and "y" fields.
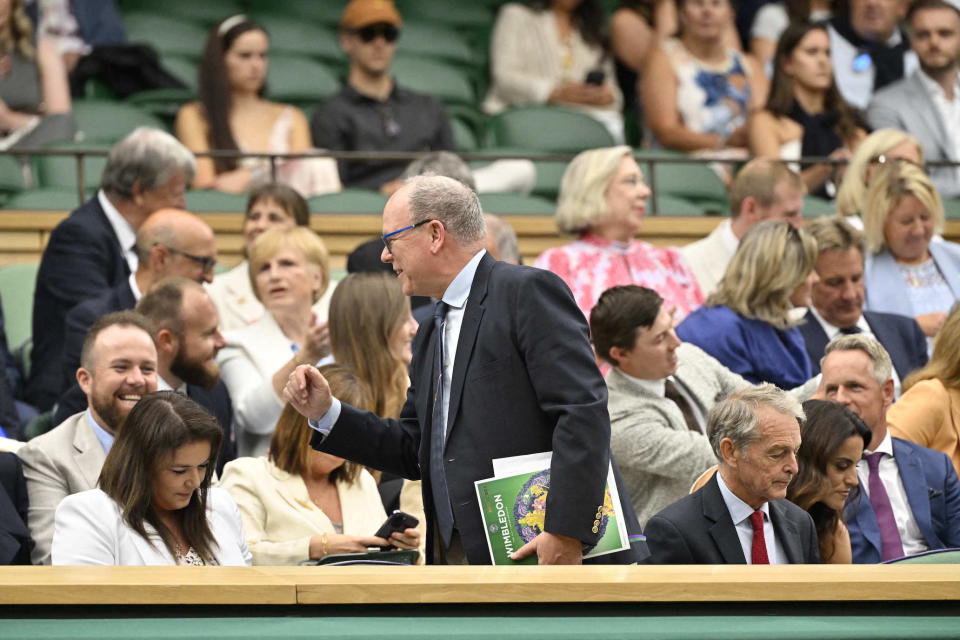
{"x": 289, "y": 272}
{"x": 154, "y": 505}
{"x": 298, "y": 503}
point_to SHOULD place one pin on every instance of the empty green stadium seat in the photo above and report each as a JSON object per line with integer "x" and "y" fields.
{"x": 444, "y": 81}
{"x": 323, "y": 12}
{"x": 168, "y": 35}
{"x": 464, "y": 139}
{"x": 300, "y": 80}
{"x": 183, "y": 68}
{"x": 103, "y": 121}
{"x": 61, "y": 171}
{"x": 693, "y": 181}
{"x": 951, "y": 208}
{"x": 205, "y": 13}
{"x": 349, "y": 201}
{"x": 814, "y": 207}
{"x": 17, "y": 282}
{"x": 289, "y": 35}
{"x": 431, "y": 40}
{"x": 52, "y": 199}
{"x": 671, "y": 205}
{"x": 547, "y": 129}
{"x": 216, "y": 201}
{"x": 513, "y": 203}
{"x": 549, "y": 177}
{"x": 11, "y": 175}
{"x": 463, "y": 15}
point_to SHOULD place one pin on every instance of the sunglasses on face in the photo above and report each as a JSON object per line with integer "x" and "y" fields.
{"x": 371, "y": 32}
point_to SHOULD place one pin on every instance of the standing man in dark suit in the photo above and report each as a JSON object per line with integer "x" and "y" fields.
{"x": 838, "y": 303}
{"x": 188, "y": 339}
{"x": 93, "y": 249}
{"x": 741, "y": 515}
{"x": 505, "y": 369}
{"x": 909, "y": 495}
{"x": 171, "y": 242}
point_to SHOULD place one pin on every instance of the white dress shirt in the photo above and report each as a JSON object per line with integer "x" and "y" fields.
{"x": 740, "y": 513}
{"x": 910, "y": 536}
{"x": 833, "y": 331}
{"x": 126, "y": 235}
{"x": 947, "y": 108}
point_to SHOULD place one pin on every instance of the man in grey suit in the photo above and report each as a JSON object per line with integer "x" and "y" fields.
{"x": 742, "y": 516}
{"x": 925, "y": 104}
{"x": 118, "y": 366}
{"x": 660, "y": 391}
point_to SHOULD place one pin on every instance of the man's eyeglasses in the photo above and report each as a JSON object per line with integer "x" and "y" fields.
{"x": 371, "y": 32}
{"x": 206, "y": 262}
{"x": 390, "y": 237}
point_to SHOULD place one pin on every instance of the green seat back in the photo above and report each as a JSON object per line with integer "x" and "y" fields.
{"x": 183, "y": 68}
{"x": 951, "y": 208}
{"x": 431, "y": 40}
{"x": 61, "y": 171}
{"x": 168, "y": 35}
{"x": 321, "y": 12}
{"x": 940, "y": 556}
{"x": 814, "y": 207}
{"x": 11, "y": 174}
{"x": 216, "y": 201}
{"x": 17, "y": 282}
{"x": 103, "y": 121}
{"x": 300, "y": 80}
{"x": 52, "y": 199}
{"x": 462, "y": 15}
{"x": 464, "y": 139}
{"x": 349, "y": 201}
{"x": 547, "y": 129}
{"x": 294, "y": 36}
{"x": 549, "y": 177}
{"x": 206, "y": 13}
{"x": 693, "y": 180}
{"x": 513, "y": 203}
{"x": 671, "y": 205}
{"x": 444, "y": 81}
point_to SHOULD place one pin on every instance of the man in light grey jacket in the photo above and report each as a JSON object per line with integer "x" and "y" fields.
{"x": 660, "y": 391}
{"x": 926, "y": 104}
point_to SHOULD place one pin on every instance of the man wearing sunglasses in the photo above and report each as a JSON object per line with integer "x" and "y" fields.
{"x": 372, "y": 113}
{"x": 171, "y": 242}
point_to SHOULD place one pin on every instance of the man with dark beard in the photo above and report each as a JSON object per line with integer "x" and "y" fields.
{"x": 171, "y": 242}
{"x": 185, "y": 323}
{"x": 118, "y": 365}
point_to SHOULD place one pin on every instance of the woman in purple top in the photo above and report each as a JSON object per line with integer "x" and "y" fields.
{"x": 749, "y": 322}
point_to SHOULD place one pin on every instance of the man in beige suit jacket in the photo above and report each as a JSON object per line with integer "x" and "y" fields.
{"x": 763, "y": 190}
{"x": 118, "y": 366}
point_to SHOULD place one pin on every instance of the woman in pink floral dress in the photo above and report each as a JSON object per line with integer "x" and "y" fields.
{"x": 603, "y": 199}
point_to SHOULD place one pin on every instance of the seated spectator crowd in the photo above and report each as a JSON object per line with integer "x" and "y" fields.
{"x": 784, "y": 390}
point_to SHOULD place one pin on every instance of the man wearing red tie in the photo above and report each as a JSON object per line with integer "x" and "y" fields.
{"x": 741, "y": 516}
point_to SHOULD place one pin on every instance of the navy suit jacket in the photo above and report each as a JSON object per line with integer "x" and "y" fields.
{"x": 82, "y": 260}
{"x": 901, "y": 336}
{"x": 698, "y": 529}
{"x": 15, "y": 542}
{"x": 73, "y": 400}
{"x": 524, "y": 381}
{"x": 933, "y": 492}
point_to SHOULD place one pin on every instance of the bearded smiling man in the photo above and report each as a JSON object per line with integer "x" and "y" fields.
{"x": 118, "y": 366}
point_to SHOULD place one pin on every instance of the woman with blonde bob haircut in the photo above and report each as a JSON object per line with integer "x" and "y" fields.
{"x": 881, "y": 147}
{"x": 289, "y": 271}
{"x": 748, "y": 323}
{"x": 603, "y": 200}
{"x": 928, "y": 412}
{"x": 906, "y": 272}
{"x": 298, "y": 503}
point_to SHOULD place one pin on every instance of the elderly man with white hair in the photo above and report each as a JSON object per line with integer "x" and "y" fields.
{"x": 742, "y": 516}
{"x": 94, "y": 249}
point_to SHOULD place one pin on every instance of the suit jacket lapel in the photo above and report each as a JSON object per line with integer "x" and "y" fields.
{"x": 469, "y": 329}
{"x": 815, "y": 340}
{"x": 722, "y": 530}
{"x": 914, "y": 482}
{"x": 88, "y": 451}
{"x": 787, "y": 533}
{"x": 866, "y": 521}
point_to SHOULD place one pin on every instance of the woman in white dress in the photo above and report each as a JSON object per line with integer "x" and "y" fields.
{"x": 154, "y": 504}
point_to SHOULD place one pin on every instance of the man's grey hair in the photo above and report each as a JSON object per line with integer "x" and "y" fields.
{"x": 882, "y": 366}
{"x": 147, "y": 156}
{"x": 736, "y": 416}
{"x": 452, "y": 203}
{"x": 441, "y": 163}
{"x": 504, "y": 238}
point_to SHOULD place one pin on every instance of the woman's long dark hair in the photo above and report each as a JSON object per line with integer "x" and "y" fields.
{"x": 588, "y": 18}
{"x": 827, "y": 427}
{"x": 159, "y": 424}
{"x": 213, "y": 87}
{"x": 781, "y": 100}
